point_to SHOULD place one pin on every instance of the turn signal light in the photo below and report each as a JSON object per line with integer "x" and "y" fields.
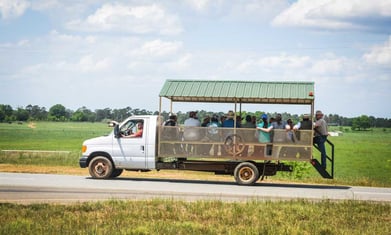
{"x": 84, "y": 148}
{"x": 311, "y": 93}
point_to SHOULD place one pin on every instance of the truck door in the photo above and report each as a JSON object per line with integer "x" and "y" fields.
{"x": 129, "y": 150}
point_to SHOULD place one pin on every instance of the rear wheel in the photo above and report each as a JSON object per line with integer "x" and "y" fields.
{"x": 100, "y": 168}
{"x": 116, "y": 173}
{"x": 246, "y": 173}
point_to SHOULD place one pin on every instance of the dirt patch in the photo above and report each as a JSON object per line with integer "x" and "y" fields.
{"x": 32, "y": 125}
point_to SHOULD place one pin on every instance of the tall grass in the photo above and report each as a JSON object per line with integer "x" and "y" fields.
{"x": 201, "y": 217}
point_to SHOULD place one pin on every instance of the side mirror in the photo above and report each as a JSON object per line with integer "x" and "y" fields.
{"x": 112, "y": 123}
{"x": 116, "y": 131}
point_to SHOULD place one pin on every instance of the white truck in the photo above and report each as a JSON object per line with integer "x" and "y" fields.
{"x": 142, "y": 143}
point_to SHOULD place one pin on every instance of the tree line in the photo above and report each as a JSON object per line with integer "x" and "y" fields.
{"x": 59, "y": 112}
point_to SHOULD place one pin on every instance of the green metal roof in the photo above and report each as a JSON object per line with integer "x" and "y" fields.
{"x": 238, "y": 91}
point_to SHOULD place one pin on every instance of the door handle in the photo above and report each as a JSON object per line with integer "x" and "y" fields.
{"x": 142, "y": 148}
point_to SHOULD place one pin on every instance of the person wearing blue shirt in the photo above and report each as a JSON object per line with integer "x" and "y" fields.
{"x": 264, "y": 130}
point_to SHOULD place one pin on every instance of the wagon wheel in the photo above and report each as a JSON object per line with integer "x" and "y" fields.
{"x": 234, "y": 145}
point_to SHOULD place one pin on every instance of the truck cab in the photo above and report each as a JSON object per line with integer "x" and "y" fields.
{"x": 123, "y": 148}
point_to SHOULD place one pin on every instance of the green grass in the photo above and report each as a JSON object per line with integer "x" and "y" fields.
{"x": 361, "y": 158}
{"x": 201, "y": 217}
{"x": 52, "y": 136}
{"x": 60, "y": 136}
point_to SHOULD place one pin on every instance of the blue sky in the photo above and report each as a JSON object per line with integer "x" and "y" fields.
{"x": 115, "y": 54}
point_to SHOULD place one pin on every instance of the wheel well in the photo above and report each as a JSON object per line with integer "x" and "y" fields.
{"x": 260, "y": 167}
{"x": 96, "y": 154}
{"x": 249, "y": 161}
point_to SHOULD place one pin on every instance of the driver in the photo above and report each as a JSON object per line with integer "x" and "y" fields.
{"x": 139, "y": 132}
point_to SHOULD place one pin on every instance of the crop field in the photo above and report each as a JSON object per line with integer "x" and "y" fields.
{"x": 361, "y": 158}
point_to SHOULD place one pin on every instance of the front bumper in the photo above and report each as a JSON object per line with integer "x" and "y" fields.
{"x": 83, "y": 161}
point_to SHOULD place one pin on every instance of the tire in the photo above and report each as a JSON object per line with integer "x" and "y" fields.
{"x": 246, "y": 173}
{"x": 116, "y": 173}
{"x": 100, "y": 168}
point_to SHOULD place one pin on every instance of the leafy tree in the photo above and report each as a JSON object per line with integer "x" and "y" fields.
{"x": 6, "y": 113}
{"x": 37, "y": 113}
{"x": 22, "y": 114}
{"x": 83, "y": 114}
{"x": 361, "y": 123}
{"x": 102, "y": 114}
{"x": 57, "y": 113}
{"x": 122, "y": 114}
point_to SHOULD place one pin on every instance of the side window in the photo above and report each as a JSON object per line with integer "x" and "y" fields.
{"x": 132, "y": 129}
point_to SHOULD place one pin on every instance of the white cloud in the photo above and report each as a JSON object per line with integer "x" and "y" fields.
{"x": 380, "y": 54}
{"x": 19, "y": 44}
{"x": 45, "y": 4}
{"x": 48, "y": 70}
{"x": 13, "y": 8}
{"x": 335, "y": 15}
{"x": 132, "y": 19}
{"x": 199, "y": 5}
{"x": 158, "y": 48}
{"x": 182, "y": 63}
{"x": 282, "y": 61}
{"x": 257, "y": 10}
{"x": 330, "y": 65}
{"x": 90, "y": 64}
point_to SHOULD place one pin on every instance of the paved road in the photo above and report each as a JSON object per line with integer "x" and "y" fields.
{"x": 33, "y": 188}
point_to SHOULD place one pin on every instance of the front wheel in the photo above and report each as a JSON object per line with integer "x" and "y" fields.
{"x": 246, "y": 173}
{"x": 100, "y": 168}
{"x": 116, "y": 173}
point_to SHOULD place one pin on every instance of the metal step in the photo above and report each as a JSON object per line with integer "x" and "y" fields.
{"x": 320, "y": 169}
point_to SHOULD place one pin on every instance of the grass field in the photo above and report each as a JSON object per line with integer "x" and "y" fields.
{"x": 201, "y": 217}
{"x": 362, "y": 158}
{"x": 61, "y": 136}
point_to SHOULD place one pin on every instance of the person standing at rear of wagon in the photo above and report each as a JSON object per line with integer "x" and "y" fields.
{"x": 320, "y": 137}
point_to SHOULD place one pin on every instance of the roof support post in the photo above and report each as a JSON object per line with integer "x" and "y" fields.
{"x": 235, "y": 114}
{"x": 159, "y": 126}
{"x": 312, "y": 119}
{"x": 240, "y": 108}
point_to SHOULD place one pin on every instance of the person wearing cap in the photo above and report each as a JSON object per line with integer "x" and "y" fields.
{"x": 264, "y": 128}
{"x": 320, "y": 137}
{"x": 213, "y": 133}
{"x": 278, "y": 123}
{"x": 171, "y": 133}
{"x": 305, "y": 124}
{"x": 192, "y": 120}
{"x": 247, "y": 134}
{"x": 192, "y": 131}
{"x": 229, "y": 122}
{"x": 172, "y": 120}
